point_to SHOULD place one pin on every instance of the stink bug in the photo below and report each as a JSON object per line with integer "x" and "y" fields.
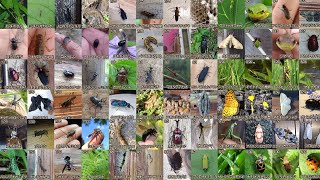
{"x": 260, "y": 164}
{"x": 257, "y": 42}
{"x": 205, "y": 163}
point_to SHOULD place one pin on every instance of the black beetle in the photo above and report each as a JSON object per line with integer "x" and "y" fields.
{"x": 204, "y": 44}
{"x": 42, "y": 74}
{"x": 96, "y": 101}
{"x": 14, "y": 74}
{"x": 176, "y": 14}
{"x": 313, "y": 43}
{"x": 96, "y": 43}
{"x": 121, "y": 43}
{"x": 68, "y": 74}
{"x": 313, "y": 104}
{"x": 68, "y": 102}
{"x": 203, "y": 74}
{"x": 123, "y": 14}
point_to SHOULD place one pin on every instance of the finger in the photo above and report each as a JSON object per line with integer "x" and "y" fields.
{"x": 92, "y": 35}
{"x": 74, "y": 144}
{"x": 86, "y": 49}
{"x": 279, "y": 13}
{"x": 61, "y": 132}
{"x": 72, "y": 47}
{"x": 60, "y": 124}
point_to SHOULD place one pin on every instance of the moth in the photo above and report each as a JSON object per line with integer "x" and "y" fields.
{"x": 308, "y": 131}
{"x": 232, "y": 41}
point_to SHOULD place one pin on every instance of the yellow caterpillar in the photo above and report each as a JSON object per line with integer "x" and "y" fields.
{"x": 149, "y": 40}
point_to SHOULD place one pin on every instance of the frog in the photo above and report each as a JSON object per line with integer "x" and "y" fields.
{"x": 258, "y": 12}
{"x": 230, "y": 134}
{"x": 286, "y": 42}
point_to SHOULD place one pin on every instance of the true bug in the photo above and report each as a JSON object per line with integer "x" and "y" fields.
{"x": 68, "y": 102}
{"x": 286, "y": 164}
{"x": 313, "y": 43}
{"x": 147, "y": 14}
{"x": 149, "y": 76}
{"x": 68, "y": 164}
{"x": 175, "y": 161}
{"x": 204, "y": 44}
{"x": 121, "y": 103}
{"x": 260, "y": 165}
{"x": 205, "y": 163}
{"x": 148, "y": 133}
{"x": 203, "y": 74}
{"x": 40, "y": 133}
{"x": 257, "y": 42}
{"x": 123, "y": 14}
{"x": 68, "y": 74}
{"x": 96, "y": 43}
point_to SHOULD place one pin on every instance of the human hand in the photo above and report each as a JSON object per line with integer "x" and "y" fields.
{"x": 61, "y": 131}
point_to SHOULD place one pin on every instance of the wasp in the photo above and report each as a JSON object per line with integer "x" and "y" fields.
{"x": 121, "y": 103}
{"x": 95, "y": 133}
{"x": 68, "y": 164}
{"x": 68, "y": 102}
{"x": 40, "y": 133}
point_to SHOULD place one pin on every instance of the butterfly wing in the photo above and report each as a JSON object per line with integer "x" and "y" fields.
{"x": 236, "y": 44}
{"x": 308, "y": 132}
{"x": 284, "y": 104}
{"x": 231, "y": 105}
{"x": 225, "y": 42}
{"x": 318, "y": 139}
{"x": 280, "y": 132}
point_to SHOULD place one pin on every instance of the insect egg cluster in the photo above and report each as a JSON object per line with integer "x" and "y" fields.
{"x": 201, "y": 12}
{"x": 176, "y": 107}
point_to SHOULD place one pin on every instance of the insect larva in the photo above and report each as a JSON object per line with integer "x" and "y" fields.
{"x": 149, "y": 40}
{"x": 39, "y": 45}
{"x": 147, "y": 14}
{"x": 286, "y": 12}
{"x": 120, "y": 137}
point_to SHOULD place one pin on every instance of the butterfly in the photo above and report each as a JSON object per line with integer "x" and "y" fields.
{"x": 286, "y": 134}
{"x": 284, "y": 104}
{"x": 231, "y": 104}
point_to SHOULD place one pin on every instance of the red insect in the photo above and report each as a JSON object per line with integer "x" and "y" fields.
{"x": 14, "y": 75}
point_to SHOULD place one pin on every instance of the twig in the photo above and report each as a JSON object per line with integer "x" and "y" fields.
{"x": 174, "y": 79}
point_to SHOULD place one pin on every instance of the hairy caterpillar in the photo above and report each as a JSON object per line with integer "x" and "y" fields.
{"x": 149, "y": 40}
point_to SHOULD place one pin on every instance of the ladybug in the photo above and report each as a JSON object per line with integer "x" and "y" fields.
{"x": 313, "y": 164}
{"x": 260, "y": 164}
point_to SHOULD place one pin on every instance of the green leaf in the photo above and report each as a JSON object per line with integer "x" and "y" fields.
{"x": 45, "y": 8}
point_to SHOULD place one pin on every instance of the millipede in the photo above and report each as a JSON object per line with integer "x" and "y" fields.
{"x": 149, "y": 40}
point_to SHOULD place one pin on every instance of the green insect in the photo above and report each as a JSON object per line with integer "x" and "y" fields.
{"x": 205, "y": 163}
{"x": 230, "y": 135}
{"x": 257, "y": 42}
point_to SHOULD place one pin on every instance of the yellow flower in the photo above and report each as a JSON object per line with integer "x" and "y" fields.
{"x": 251, "y": 98}
{"x": 265, "y": 104}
